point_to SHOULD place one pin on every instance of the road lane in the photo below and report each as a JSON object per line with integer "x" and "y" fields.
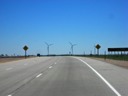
{"x": 100, "y": 76}
{"x": 20, "y": 75}
{"x": 69, "y": 77}
{"x": 61, "y": 76}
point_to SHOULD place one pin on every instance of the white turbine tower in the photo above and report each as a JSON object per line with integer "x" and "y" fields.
{"x": 48, "y": 45}
{"x": 72, "y": 47}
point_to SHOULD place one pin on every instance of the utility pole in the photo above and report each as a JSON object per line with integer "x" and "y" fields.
{"x": 48, "y": 45}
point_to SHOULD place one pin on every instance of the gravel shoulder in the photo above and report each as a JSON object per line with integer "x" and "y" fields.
{"x": 115, "y": 62}
{"x": 4, "y": 60}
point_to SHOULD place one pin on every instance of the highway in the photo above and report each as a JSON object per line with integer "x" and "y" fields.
{"x": 62, "y": 76}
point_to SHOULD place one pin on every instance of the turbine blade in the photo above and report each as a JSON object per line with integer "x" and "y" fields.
{"x": 70, "y": 43}
{"x": 46, "y": 43}
{"x": 50, "y": 44}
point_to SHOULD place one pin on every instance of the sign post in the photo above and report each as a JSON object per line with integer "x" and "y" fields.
{"x": 98, "y": 47}
{"x": 25, "y": 49}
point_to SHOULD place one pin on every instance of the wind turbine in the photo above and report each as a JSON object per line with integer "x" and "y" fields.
{"x": 48, "y": 45}
{"x": 72, "y": 46}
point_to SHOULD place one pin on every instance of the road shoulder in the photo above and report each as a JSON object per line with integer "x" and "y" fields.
{"x": 120, "y": 63}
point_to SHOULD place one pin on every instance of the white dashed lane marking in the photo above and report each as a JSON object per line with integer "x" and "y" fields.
{"x": 50, "y": 67}
{"x": 39, "y": 75}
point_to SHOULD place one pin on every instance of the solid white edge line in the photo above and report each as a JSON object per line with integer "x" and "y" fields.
{"x": 110, "y": 86}
{"x": 38, "y": 75}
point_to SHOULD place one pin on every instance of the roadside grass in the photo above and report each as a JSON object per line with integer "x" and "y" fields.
{"x": 114, "y": 57}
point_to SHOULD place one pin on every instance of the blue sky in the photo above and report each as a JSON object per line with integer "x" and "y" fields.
{"x": 82, "y": 22}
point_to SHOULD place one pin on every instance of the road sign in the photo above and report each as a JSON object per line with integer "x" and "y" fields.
{"x": 98, "y": 46}
{"x": 117, "y": 49}
{"x": 25, "y": 48}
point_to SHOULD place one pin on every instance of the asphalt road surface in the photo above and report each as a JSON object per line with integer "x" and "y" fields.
{"x": 62, "y": 76}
